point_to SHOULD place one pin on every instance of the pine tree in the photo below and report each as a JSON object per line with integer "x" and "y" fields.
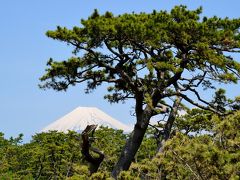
{"x": 154, "y": 58}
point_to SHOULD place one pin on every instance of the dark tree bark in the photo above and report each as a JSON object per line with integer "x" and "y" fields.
{"x": 168, "y": 126}
{"x": 133, "y": 143}
{"x": 86, "y": 147}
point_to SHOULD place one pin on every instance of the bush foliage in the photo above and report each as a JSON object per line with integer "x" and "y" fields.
{"x": 210, "y": 151}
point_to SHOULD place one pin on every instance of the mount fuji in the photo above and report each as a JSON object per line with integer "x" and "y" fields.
{"x": 79, "y": 118}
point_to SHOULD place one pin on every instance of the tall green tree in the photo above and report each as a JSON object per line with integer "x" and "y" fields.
{"x": 157, "y": 59}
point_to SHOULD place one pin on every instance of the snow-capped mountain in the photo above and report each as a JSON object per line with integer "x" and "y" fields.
{"x": 79, "y": 118}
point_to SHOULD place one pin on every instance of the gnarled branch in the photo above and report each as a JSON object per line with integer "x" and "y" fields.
{"x": 86, "y": 147}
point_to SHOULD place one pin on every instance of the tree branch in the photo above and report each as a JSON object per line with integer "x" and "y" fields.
{"x": 86, "y": 147}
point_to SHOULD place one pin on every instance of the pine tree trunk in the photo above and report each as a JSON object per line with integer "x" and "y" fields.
{"x": 169, "y": 124}
{"x": 132, "y": 145}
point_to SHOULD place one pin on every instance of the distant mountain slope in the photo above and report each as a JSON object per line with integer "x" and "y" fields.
{"x": 79, "y": 118}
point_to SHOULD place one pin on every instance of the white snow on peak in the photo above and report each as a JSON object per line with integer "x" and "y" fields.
{"x": 79, "y": 118}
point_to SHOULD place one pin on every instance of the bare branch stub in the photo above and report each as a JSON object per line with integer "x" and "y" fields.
{"x": 86, "y": 147}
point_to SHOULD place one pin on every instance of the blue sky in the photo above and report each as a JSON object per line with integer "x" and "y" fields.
{"x": 24, "y": 51}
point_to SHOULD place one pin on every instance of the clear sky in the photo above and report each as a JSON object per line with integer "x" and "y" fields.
{"x": 24, "y": 51}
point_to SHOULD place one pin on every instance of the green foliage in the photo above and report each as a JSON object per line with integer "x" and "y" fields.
{"x": 126, "y": 175}
{"x": 215, "y": 156}
{"x": 148, "y": 147}
{"x": 196, "y": 156}
{"x": 47, "y": 155}
{"x": 101, "y": 176}
{"x": 144, "y": 53}
{"x": 57, "y": 155}
{"x": 195, "y": 121}
{"x": 10, "y": 151}
{"x": 109, "y": 141}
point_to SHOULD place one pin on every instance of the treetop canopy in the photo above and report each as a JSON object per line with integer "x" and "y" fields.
{"x": 145, "y": 53}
